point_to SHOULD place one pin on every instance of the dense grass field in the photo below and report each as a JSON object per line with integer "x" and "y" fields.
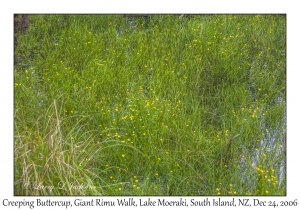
{"x": 164, "y": 105}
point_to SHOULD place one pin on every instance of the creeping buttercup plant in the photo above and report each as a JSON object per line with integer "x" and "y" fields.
{"x": 157, "y": 105}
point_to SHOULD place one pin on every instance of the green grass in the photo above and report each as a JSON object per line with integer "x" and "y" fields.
{"x": 113, "y": 105}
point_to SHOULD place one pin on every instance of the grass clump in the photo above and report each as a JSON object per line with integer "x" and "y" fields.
{"x": 114, "y": 105}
